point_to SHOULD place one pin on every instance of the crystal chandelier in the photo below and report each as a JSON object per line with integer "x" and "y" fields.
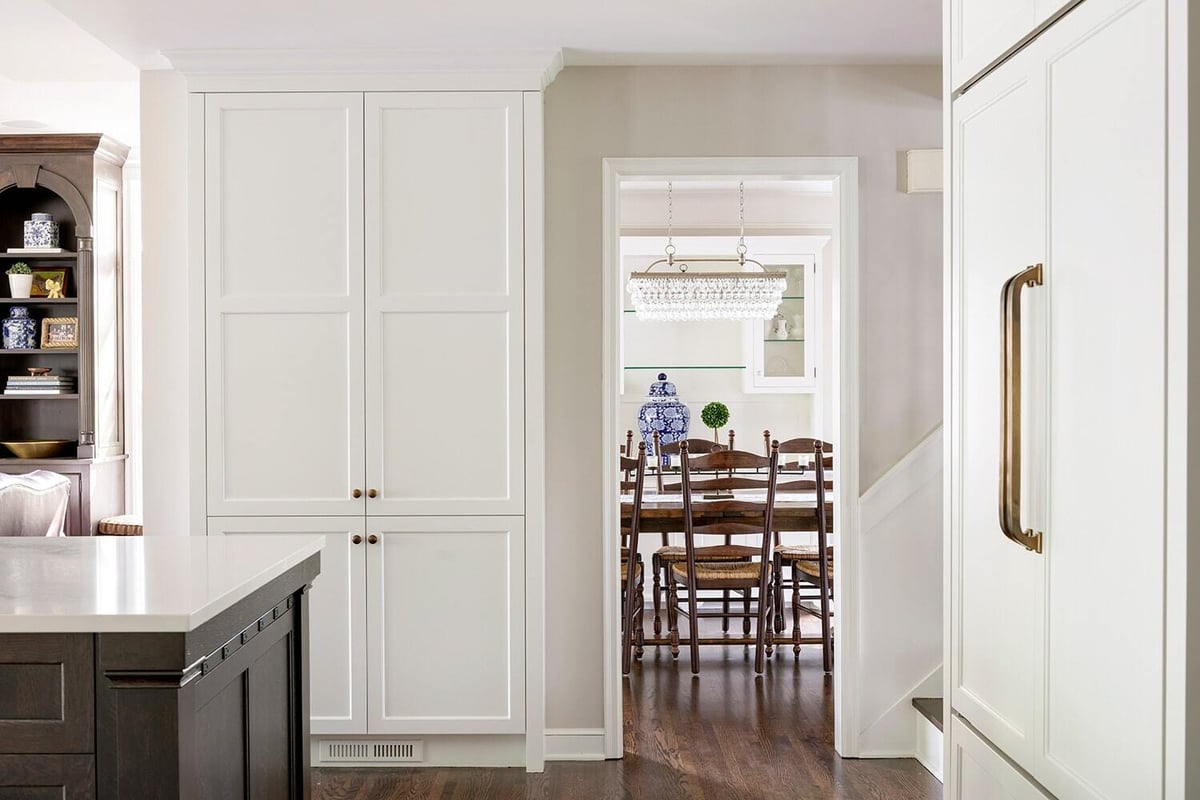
{"x": 684, "y": 295}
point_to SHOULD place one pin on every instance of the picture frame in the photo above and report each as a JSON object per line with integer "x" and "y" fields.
{"x": 40, "y": 276}
{"x": 60, "y": 333}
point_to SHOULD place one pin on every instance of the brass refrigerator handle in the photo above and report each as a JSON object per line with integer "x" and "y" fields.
{"x": 1010, "y": 409}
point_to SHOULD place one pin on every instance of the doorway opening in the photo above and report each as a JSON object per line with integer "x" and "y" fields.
{"x": 794, "y": 375}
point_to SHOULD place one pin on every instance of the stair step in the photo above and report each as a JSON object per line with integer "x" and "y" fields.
{"x": 930, "y": 708}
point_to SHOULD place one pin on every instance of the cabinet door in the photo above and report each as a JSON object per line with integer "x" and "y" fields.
{"x": 446, "y": 641}
{"x": 978, "y": 772}
{"x": 48, "y": 777}
{"x": 1106, "y": 289}
{"x": 337, "y": 616}
{"x": 782, "y": 351}
{"x": 284, "y": 312}
{"x": 444, "y": 303}
{"x": 981, "y": 31}
{"x": 998, "y": 213}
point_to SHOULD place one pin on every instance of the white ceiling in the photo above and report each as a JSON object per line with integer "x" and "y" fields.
{"x": 589, "y": 31}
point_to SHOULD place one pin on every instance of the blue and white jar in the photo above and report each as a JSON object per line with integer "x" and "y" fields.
{"x": 41, "y": 231}
{"x": 665, "y": 414}
{"x": 20, "y": 332}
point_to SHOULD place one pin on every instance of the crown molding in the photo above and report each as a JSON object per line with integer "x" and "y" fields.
{"x": 527, "y": 70}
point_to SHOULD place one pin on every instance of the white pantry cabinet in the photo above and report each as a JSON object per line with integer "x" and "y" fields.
{"x": 365, "y": 377}
{"x": 337, "y": 615}
{"x": 982, "y": 31}
{"x": 1061, "y": 377}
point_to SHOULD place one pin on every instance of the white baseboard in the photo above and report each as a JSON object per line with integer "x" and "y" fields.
{"x": 575, "y": 744}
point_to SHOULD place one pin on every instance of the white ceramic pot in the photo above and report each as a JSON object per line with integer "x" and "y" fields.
{"x": 20, "y": 285}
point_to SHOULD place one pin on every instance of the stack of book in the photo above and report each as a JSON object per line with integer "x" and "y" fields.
{"x": 39, "y": 385}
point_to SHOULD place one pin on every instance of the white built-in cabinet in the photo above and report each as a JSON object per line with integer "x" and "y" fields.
{"x": 1059, "y": 159}
{"x": 364, "y": 369}
{"x": 982, "y": 31}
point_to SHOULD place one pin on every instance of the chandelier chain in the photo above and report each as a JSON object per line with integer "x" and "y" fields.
{"x": 741, "y": 246}
{"x": 670, "y": 250}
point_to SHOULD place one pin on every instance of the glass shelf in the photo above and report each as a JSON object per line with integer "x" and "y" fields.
{"x": 793, "y": 297}
{"x": 664, "y": 369}
{"x": 45, "y": 351}
{"x": 4, "y": 397}
{"x": 783, "y": 340}
{"x": 38, "y": 301}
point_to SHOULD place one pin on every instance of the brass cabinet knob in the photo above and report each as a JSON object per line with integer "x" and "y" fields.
{"x": 356, "y": 539}
{"x": 357, "y": 493}
{"x": 372, "y": 493}
{"x": 372, "y": 539}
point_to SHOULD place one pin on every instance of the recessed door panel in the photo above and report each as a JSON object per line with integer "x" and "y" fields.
{"x": 447, "y": 632}
{"x": 449, "y": 189}
{"x": 444, "y": 303}
{"x": 1106, "y": 284}
{"x": 285, "y": 432}
{"x": 999, "y": 229}
{"x": 284, "y": 309}
{"x": 337, "y": 616}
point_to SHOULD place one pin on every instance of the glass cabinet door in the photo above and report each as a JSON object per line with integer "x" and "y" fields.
{"x": 781, "y": 349}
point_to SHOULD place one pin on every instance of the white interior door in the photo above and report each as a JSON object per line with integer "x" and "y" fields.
{"x": 446, "y": 641}
{"x": 983, "y": 30}
{"x": 284, "y": 309}
{"x": 337, "y": 609}
{"x": 1106, "y": 287}
{"x": 444, "y": 303}
{"x": 998, "y": 230}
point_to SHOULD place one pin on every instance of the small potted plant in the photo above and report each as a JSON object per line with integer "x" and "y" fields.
{"x": 20, "y": 280}
{"x": 715, "y": 415}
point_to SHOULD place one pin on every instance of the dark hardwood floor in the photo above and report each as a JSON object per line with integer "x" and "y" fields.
{"x": 724, "y": 735}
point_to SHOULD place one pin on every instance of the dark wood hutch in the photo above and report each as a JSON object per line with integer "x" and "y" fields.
{"x": 78, "y": 179}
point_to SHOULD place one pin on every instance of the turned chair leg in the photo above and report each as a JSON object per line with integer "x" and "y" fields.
{"x": 693, "y": 626}
{"x": 746, "y": 611}
{"x": 639, "y": 635}
{"x": 673, "y": 616}
{"x": 725, "y": 611}
{"x": 795, "y": 611}
{"x": 657, "y": 565}
{"x": 777, "y": 591}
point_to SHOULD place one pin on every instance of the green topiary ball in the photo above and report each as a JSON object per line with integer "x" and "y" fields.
{"x": 714, "y": 415}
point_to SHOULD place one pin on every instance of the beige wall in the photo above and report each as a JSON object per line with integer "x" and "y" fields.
{"x": 593, "y": 113}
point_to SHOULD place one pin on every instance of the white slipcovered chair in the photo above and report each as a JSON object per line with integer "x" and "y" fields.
{"x": 33, "y": 504}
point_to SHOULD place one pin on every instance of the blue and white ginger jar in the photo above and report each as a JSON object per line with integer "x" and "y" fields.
{"x": 41, "y": 231}
{"x": 20, "y": 332}
{"x": 665, "y": 413}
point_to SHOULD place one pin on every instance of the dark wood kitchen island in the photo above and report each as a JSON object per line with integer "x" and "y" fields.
{"x": 155, "y": 667}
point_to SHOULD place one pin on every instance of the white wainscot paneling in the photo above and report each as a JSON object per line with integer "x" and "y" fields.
{"x": 901, "y": 599}
{"x": 447, "y": 640}
{"x": 337, "y": 616}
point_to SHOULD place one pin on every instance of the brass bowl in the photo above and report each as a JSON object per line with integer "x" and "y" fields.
{"x": 41, "y": 448}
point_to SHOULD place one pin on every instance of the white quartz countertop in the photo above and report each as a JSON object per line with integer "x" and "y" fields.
{"x": 152, "y": 584}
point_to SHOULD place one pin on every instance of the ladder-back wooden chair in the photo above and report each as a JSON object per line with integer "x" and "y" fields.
{"x": 668, "y": 554}
{"x": 725, "y": 517}
{"x": 632, "y": 573}
{"x": 807, "y": 567}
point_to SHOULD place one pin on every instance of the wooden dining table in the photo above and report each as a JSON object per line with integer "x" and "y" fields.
{"x": 663, "y": 513}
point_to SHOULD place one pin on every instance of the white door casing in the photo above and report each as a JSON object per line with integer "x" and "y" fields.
{"x": 445, "y": 303}
{"x": 284, "y": 313}
{"x": 446, "y": 643}
{"x": 337, "y": 607}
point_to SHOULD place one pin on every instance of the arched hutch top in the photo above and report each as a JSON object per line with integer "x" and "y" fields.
{"x": 77, "y": 178}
